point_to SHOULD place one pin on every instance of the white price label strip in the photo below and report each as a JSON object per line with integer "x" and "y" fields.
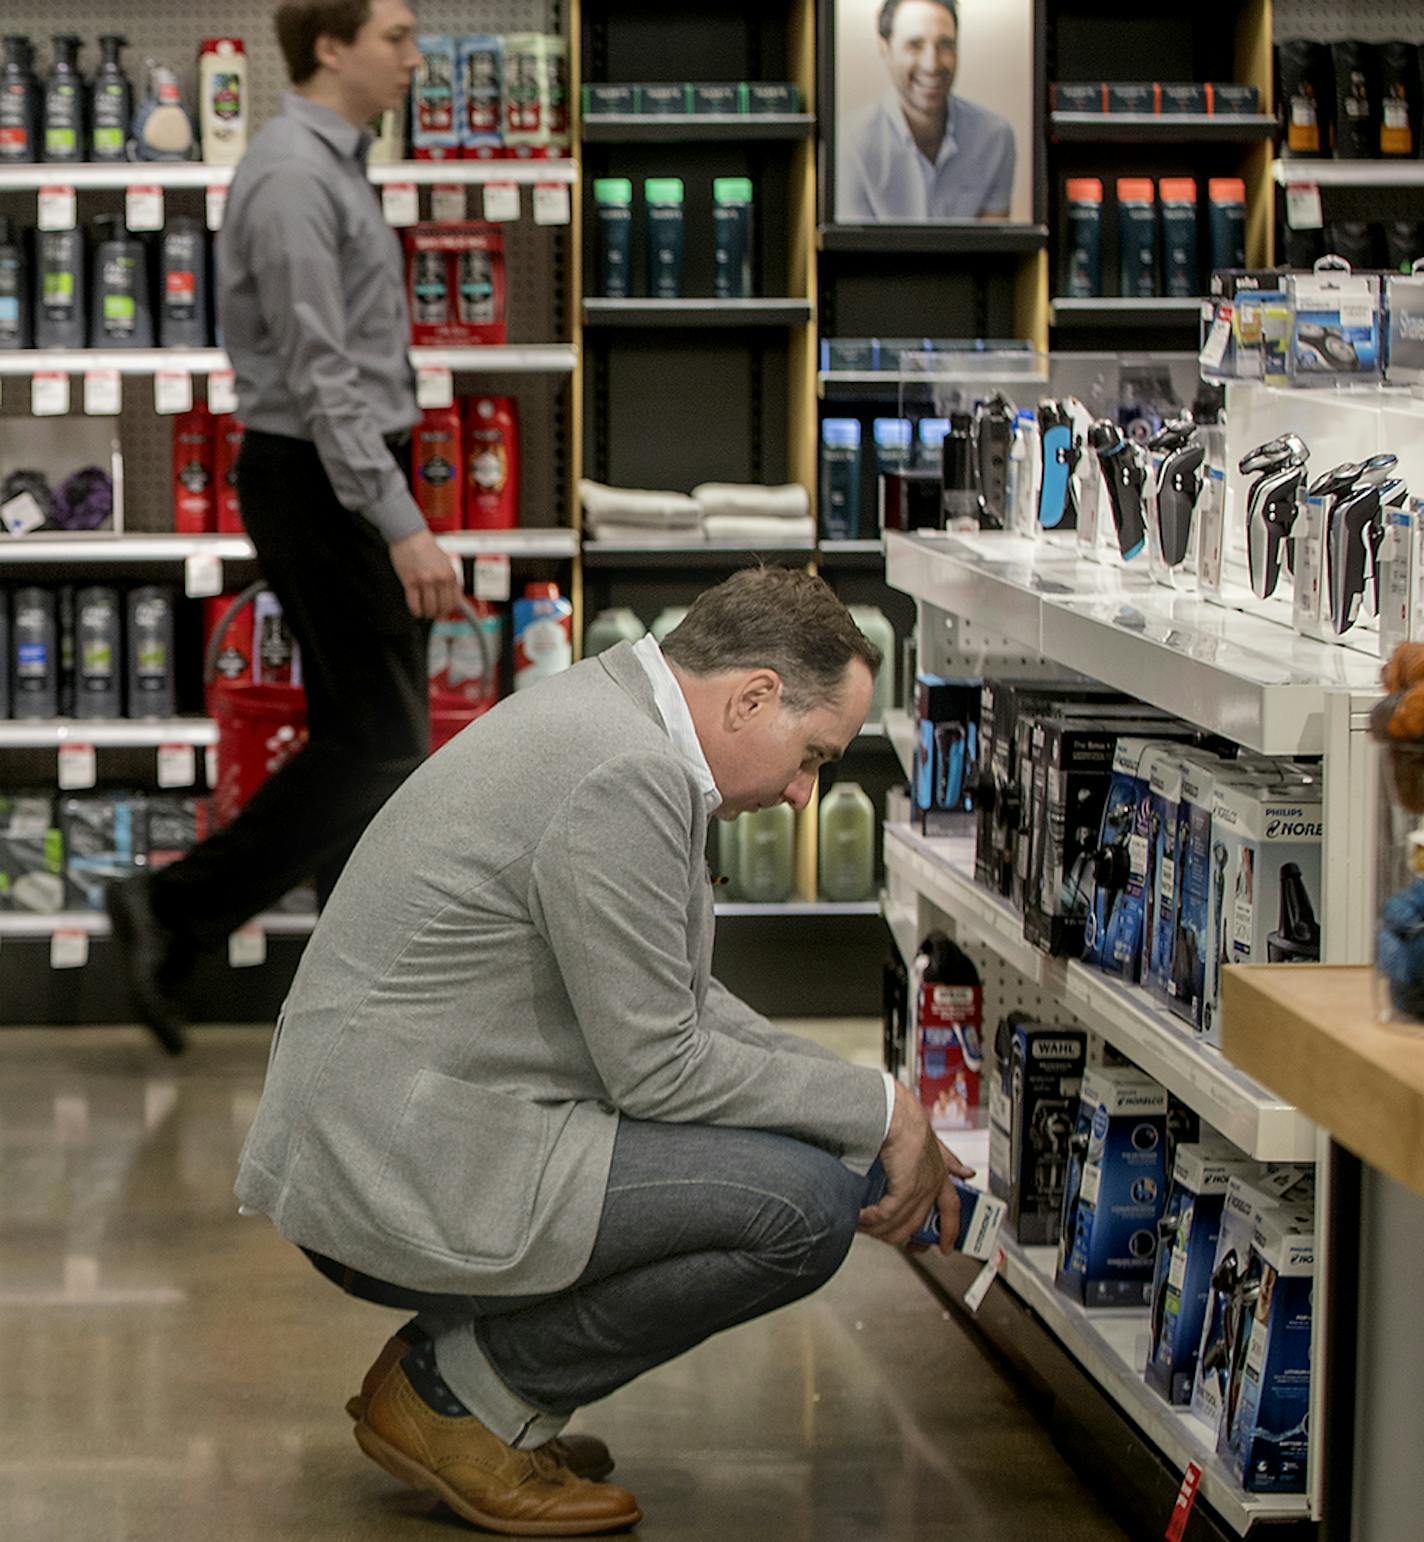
{"x": 177, "y": 765}
{"x": 49, "y": 394}
{"x": 76, "y": 767}
{"x": 974, "y": 1296}
{"x": 202, "y": 575}
{"x": 57, "y": 208}
{"x": 222, "y": 392}
{"x": 492, "y": 578}
{"x": 143, "y": 208}
{"x": 501, "y": 201}
{"x": 1303, "y": 206}
{"x": 447, "y": 203}
{"x": 434, "y": 387}
{"x": 103, "y": 393}
{"x": 247, "y": 947}
{"x": 210, "y": 766}
{"x": 551, "y": 203}
{"x": 400, "y": 203}
{"x": 68, "y": 950}
{"x": 216, "y": 207}
{"x": 172, "y": 392}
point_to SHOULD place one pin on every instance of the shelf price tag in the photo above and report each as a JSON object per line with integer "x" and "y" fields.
{"x": 551, "y": 203}
{"x": 76, "y": 767}
{"x": 247, "y": 947}
{"x": 57, "y": 210}
{"x": 68, "y": 950}
{"x": 49, "y": 394}
{"x": 222, "y": 392}
{"x": 177, "y": 765}
{"x": 143, "y": 208}
{"x": 103, "y": 393}
{"x": 1186, "y": 1498}
{"x": 172, "y": 392}
{"x": 210, "y": 766}
{"x": 1214, "y": 351}
{"x": 434, "y": 387}
{"x": 447, "y": 203}
{"x": 1303, "y": 206}
{"x": 202, "y": 575}
{"x": 501, "y": 201}
{"x": 492, "y": 577}
{"x": 215, "y": 207}
{"x": 979, "y": 1288}
{"x": 400, "y": 203}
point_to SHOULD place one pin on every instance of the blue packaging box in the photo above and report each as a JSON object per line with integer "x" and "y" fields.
{"x": 1264, "y": 1430}
{"x": 1164, "y": 858}
{"x": 437, "y": 104}
{"x": 1191, "y": 1226}
{"x": 1186, "y": 977}
{"x": 1115, "y": 1190}
{"x": 946, "y": 751}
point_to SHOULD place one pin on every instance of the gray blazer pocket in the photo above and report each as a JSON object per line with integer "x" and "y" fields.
{"x": 462, "y": 1169}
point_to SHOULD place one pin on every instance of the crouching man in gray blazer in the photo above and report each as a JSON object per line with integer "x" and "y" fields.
{"x": 505, "y": 1091}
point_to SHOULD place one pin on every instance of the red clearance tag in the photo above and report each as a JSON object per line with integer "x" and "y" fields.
{"x": 1186, "y": 1498}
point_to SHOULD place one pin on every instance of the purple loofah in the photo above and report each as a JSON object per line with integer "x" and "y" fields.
{"x": 83, "y": 501}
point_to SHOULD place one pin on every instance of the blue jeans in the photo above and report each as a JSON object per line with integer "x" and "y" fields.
{"x": 702, "y": 1229}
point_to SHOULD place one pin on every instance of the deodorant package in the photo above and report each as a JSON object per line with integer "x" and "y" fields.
{"x": 1181, "y": 1284}
{"x": 1263, "y": 1431}
{"x": 946, "y": 750}
{"x": 480, "y": 77}
{"x": 1115, "y": 1189}
{"x": 1264, "y": 893}
{"x": 31, "y": 854}
{"x": 455, "y": 284}
{"x": 174, "y": 824}
{"x": 105, "y": 841}
{"x": 436, "y": 107}
{"x": 1247, "y": 1196}
{"x": 1033, "y": 1109}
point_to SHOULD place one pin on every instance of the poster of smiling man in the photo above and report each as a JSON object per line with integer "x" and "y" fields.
{"x": 933, "y": 111}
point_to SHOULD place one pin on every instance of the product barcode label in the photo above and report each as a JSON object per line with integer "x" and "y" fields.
{"x": 143, "y": 208}
{"x": 1241, "y": 917}
{"x": 434, "y": 387}
{"x": 501, "y": 201}
{"x": 76, "y": 767}
{"x": 400, "y": 204}
{"x": 247, "y": 947}
{"x": 551, "y": 203}
{"x": 215, "y": 207}
{"x": 1356, "y": 312}
{"x": 1137, "y": 854}
{"x": 202, "y": 575}
{"x": 1168, "y": 886}
{"x": 447, "y": 203}
{"x": 177, "y": 765}
{"x": 172, "y": 392}
{"x": 68, "y": 950}
{"x": 57, "y": 208}
{"x": 492, "y": 578}
{"x": 49, "y": 394}
{"x": 222, "y": 392}
{"x": 103, "y": 393}
{"x": 1303, "y": 206}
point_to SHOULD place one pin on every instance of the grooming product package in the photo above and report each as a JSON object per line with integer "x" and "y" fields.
{"x": 31, "y": 854}
{"x": 436, "y": 107}
{"x": 105, "y": 841}
{"x": 946, "y": 1032}
{"x": 945, "y": 752}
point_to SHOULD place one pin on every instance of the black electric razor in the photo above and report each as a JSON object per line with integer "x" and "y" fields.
{"x": 1272, "y": 505}
{"x": 1179, "y": 485}
{"x": 1354, "y": 529}
{"x": 1126, "y": 475}
{"x": 993, "y": 440}
{"x": 958, "y": 497}
{"x": 1296, "y": 939}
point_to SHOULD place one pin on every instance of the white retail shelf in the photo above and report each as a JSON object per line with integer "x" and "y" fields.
{"x": 551, "y": 542}
{"x": 514, "y": 358}
{"x": 1245, "y": 677}
{"x": 942, "y": 869}
{"x": 745, "y": 908}
{"x": 900, "y": 727}
{"x": 555, "y": 541}
{"x": 1350, "y": 173}
{"x": 1111, "y": 1346}
{"x": 181, "y": 174}
{"x": 902, "y": 923}
{"x": 115, "y": 733}
{"x": 96, "y": 924}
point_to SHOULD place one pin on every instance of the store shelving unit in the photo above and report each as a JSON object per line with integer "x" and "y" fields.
{"x": 705, "y": 554}
{"x": 1102, "y": 128}
{"x": 1326, "y": 173}
{"x": 143, "y": 550}
{"x": 512, "y": 359}
{"x": 197, "y": 174}
{"x": 688, "y": 128}
{"x": 108, "y": 733}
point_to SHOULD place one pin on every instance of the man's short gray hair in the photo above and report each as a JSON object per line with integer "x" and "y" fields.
{"x": 774, "y": 618}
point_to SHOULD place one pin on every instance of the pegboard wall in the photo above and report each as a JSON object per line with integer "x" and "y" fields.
{"x": 536, "y": 258}
{"x": 1335, "y": 21}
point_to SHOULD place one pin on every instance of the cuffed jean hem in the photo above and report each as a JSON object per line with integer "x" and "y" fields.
{"x": 467, "y": 1371}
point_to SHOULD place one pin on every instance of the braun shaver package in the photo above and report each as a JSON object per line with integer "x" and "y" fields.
{"x": 981, "y": 1216}
{"x": 1115, "y": 1189}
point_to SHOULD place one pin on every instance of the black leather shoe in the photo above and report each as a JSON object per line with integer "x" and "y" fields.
{"x": 146, "y": 947}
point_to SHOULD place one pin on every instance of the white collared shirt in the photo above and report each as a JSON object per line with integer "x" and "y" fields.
{"x": 677, "y": 719}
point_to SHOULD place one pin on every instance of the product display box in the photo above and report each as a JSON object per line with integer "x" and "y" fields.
{"x": 1191, "y": 936}
{"x": 946, "y": 750}
{"x": 31, "y": 854}
{"x": 1115, "y": 1190}
{"x": 455, "y": 284}
{"x": 662, "y": 100}
{"x": 601, "y": 99}
{"x": 948, "y": 1048}
{"x": 105, "y": 841}
{"x": 1248, "y": 1195}
{"x": 1181, "y": 1284}
{"x": 174, "y": 824}
{"x": 1134, "y": 97}
{"x": 1334, "y": 329}
{"x": 1155, "y": 97}
{"x": 1264, "y": 891}
{"x": 1264, "y": 1433}
{"x": 1033, "y": 1107}
{"x": 714, "y": 99}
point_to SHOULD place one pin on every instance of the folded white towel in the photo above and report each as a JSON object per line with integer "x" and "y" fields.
{"x": 645, "y": 535}
{"x": 637, "y": 506}
{"x": 750, "y": 530}
{"x": 736, "y": 498}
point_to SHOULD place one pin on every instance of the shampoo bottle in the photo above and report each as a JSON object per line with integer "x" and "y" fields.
{"x": 847, "y": 844}
{"x": 183, "y": 296}
{"x": 492, "y": 459}
{"x": 119, "y": 313}
{"x": 59, "y": 289}
{"x": 21, "y": 104}
{"x": 15, "y": 313}
{"x": 222, "y": 100}
{"x": 766, "y": 855}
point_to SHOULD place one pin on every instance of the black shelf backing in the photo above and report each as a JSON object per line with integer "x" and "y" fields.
{"x": 696, "y": 313}
{"x": 683, "y": 128}
{"x": 1160, "y": 313}
{"x": 984, "y": 237}
{"x": 1160, "y": 128}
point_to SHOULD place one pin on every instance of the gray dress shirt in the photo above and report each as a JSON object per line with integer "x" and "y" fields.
{"x": 312, "y": 300}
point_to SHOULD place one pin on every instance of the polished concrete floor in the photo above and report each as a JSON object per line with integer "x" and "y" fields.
{"x": 170, "y": 1371}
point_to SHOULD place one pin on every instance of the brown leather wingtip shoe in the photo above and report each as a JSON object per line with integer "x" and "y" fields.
{"x": 484, "y": 1481}
{"x": 586, "y": 1456}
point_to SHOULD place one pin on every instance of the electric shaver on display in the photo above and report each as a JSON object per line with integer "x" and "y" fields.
{"x": 1271, "y": 507}
{"x": 1126, "y": 475}
{"x": 1354, "y": 531}
{"x": 1179, "y": 485}
{"x": 1055, "y": 424}
{"x": 993, "y": 440}
{"x": 957, "y": 493}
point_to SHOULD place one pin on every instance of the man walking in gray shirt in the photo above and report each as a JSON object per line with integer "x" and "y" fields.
{"x": 315, "y": 320}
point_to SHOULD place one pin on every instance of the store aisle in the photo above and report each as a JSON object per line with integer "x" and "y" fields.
{"x": 175, "y": 1371}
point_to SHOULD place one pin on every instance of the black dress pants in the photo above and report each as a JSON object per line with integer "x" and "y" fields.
{"x": 364, "y": 669}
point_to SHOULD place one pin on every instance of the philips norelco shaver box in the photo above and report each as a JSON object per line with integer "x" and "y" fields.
{"x": 1263, "y": 1431}
{"x": 1115, "y": 1189}
{"x": 1247, "y": 1196}
{"x": 1164, "y": 798}
{"x": 1032, "y": 1112}
{"x": 1181, "y": 1283}
{"x": 1191, "y": 945}
{"x": 1264, "y": 892}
